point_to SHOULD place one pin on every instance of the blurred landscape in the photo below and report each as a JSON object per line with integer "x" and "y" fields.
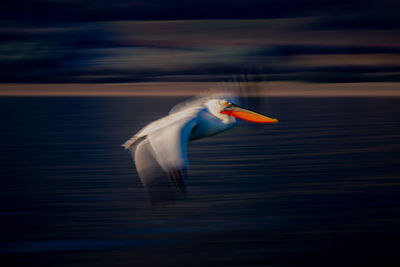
{"x": 320, "y": 188}
{"x": 95, "y": 42}
{"x": 294, "y": 49}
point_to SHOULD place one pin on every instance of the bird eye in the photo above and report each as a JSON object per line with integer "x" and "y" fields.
{"x": 227, "y": 104}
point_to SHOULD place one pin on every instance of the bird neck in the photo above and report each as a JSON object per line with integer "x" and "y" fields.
{"x": 214, "y": 108}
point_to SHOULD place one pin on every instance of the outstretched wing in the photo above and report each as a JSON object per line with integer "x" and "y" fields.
{"x": 161, "y": 158}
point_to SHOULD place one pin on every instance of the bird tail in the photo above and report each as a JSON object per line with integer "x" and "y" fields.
{"x": 130, "y": 142}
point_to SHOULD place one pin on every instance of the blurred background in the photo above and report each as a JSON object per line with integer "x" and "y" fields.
{"x": 320, "y": 188}
{"x": 45, "y": 41}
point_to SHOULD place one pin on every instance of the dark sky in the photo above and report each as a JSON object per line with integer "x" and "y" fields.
{"x": 366, "y": 12}
{"x": 114, "y": 41}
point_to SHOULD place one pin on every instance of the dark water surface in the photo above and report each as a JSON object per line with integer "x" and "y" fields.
{"x": 320, "y": 188}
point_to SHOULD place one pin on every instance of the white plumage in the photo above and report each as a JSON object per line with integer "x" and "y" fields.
{"x": 159, "y": 149}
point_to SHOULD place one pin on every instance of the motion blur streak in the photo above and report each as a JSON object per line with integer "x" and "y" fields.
{"x": 321, "y": 184}
{"x": 319, "y": 188}
{"x": 286, "y": 49}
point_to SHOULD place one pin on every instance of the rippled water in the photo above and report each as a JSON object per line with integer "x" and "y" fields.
{"x": 320, "y": 188}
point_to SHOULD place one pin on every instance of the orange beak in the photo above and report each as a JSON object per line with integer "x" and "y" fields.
{"x": 247, "y": 115}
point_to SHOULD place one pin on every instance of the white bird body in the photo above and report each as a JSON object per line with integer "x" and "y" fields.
{"x": 159, "y": 149}
{"x": 209, "y": 125}
{"x": 209, "y": 122}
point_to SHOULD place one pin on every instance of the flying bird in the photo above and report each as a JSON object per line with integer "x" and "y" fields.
{"x": 159, "y": 149}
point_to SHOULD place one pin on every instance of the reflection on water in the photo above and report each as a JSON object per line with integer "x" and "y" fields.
{"x": 320, "y": 187}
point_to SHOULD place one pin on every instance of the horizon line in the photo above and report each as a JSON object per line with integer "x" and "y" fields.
{"x": 265, "y": 89}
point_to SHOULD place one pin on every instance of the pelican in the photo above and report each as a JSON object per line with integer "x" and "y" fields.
{"x": 159, "y": 149}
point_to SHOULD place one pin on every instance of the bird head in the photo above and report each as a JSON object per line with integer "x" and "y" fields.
{"x": 228, "y": 108}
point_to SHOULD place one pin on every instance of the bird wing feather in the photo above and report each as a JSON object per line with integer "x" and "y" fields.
{"x": 161, "y": 157}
